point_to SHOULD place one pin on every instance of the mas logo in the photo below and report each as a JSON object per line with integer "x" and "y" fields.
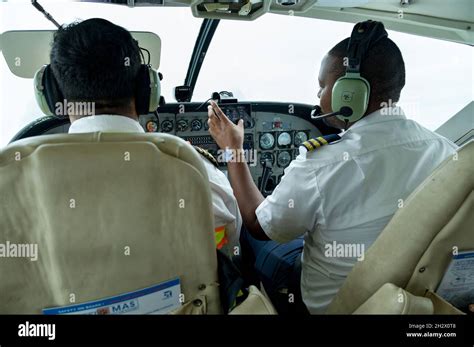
{"x": 124, "y": 307}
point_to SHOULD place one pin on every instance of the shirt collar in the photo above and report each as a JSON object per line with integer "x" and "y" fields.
{"x": 105, "y": 123}
{"x": 381, "y": 115}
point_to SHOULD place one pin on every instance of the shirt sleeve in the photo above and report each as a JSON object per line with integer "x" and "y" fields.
{"x": 224, "y": 204}
{"x": 293, "y": 208}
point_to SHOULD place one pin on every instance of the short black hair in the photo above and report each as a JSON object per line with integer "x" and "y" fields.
{"x": 382, "y": 66}
{"x": 95, "y": 61}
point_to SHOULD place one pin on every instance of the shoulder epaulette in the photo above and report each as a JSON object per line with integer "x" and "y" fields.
{"x": 207, "y": 155}
{"x": 320, "y": 141}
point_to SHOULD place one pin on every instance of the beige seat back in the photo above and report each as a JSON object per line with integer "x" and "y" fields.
{"x": 110, "y": 213}
{"x": 414, "y": 250}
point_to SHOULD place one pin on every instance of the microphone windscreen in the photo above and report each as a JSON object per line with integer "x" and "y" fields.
{"x": 316, "y": 111}
{"x": 346, "y": 111}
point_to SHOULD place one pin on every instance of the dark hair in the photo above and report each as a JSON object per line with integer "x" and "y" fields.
{"x": 382, "y": 66}
{"x": 96, "y": 61}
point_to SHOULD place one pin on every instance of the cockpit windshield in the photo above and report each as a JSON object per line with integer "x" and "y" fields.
{"x": 274, "y": 58}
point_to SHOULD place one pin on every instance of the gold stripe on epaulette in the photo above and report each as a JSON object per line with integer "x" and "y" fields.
{"x": 315, "y": 143}
{"x": 319, "y": 141}
{"x": 322, "y": 140}
{"x": 207, "y": 155}
{"x": 308, "y": 145}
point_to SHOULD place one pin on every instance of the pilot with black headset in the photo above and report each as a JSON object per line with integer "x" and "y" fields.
{"x": 98, "y": 61}
{"x": 343, "y": 188}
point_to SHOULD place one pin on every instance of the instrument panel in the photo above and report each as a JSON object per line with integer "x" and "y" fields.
{"x": 270, "y": 135}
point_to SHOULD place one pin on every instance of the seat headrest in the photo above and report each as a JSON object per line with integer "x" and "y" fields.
{"x": 415, "y": 248}
{"x": 169, "y": 144}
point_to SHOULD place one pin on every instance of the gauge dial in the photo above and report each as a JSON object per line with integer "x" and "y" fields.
{"x": 267, "y": 156}
{"x": 300, "y": 137}
{"x": 167, "y": 126}
{"x": 182, "y": 125}
{"x": 196, "y": 125}
{"x": 284, "y": 139}
{"x": 267, "y": 141}
{"x": 284, "y": 158}
{"x": 151, "y": 126}
{"x": 249, "y": 123}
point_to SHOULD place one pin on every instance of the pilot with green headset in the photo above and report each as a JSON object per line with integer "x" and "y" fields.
{"x": 337, "y": 196}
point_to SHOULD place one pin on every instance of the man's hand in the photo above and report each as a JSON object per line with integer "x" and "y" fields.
{"x": 223, "y": 131}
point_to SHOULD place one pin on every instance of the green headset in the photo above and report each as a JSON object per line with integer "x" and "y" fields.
{"x": 351, "y": 92}
{"x": 48, "y": 94}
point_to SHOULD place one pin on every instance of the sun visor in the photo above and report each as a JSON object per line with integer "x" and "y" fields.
{"x": 25, "y": 51}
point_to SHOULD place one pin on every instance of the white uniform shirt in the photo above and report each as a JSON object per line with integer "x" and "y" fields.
{"x": 224, "y": 204}
{"x": 346, "y": 192}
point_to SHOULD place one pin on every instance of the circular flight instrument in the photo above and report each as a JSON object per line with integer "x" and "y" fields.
{"x": 167, "y": 126}
{"x": 300, "y": 137}
{"x": 267, "y": 141}
{"x": 284, "y": 139}
{"x": 182, "y": 125}
{"x": 196, "y": 125}
{"x": 284, "y": 158}
{"x": 151, "y": 126}
{"x": 249, "y": 123}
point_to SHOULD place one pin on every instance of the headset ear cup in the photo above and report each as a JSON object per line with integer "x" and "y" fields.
{"x": 142, "y": 91}
{"x": 39, "y": 91}
{"x": 155, "y": 90}
{"x": 47, "y": 91}
{"x": 147, "y": 96}
{"x": 351, "y": 91}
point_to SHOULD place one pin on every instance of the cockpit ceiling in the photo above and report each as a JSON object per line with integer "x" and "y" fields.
{"x": 451, "y": 20}
{"x": 446, "y": 20}
{"x": 138, "y": 3}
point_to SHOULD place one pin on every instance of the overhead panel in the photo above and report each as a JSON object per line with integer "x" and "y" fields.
{"x": 440, "y": 19}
